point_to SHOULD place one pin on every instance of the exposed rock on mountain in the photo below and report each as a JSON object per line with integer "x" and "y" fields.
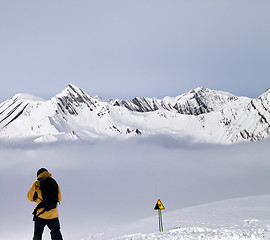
{"x": 203, "y": 114}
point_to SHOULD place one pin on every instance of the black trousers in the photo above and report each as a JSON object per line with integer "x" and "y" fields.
{"x": 53, "y": 225}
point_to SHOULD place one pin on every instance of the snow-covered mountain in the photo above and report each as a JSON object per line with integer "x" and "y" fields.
{"x": 202, "y": 114}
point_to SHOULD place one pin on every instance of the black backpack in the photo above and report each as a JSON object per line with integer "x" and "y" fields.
{"x": 49, "y": 192}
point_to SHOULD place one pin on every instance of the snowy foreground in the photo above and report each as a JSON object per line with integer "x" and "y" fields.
{"x": 109, "y": 188}
{"x": 242, "y": 218}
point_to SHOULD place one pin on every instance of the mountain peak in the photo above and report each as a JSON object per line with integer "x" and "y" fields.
{"x": 201, "y": 113}
{"x": 71, "y": 98}
{"x": 71, "y": 90}
{"x": 200, "y": 89}
{"x": 26, "y": 97}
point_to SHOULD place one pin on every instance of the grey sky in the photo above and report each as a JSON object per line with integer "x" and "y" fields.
{"x": 134, "y": 48}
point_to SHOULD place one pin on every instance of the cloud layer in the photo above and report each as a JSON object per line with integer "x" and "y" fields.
{"x": 109, "y": 183}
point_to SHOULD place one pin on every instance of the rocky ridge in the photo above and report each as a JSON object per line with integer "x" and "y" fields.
{"x": 201, "y": 113}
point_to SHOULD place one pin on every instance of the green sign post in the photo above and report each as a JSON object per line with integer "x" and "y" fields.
{"x": 159, "y": 206}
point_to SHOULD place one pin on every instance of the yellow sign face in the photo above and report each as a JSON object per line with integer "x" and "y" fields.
{"x": 159, "y": 205}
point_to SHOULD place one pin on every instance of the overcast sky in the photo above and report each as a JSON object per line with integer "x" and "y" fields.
{"x": 131, "y": 48}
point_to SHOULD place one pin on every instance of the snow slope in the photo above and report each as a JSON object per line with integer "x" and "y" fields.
{"x": 108, "y": 183}
{"x": 201, "y": 114}
{"x": 241, "y": 218}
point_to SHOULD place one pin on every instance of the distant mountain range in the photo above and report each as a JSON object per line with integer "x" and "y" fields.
{"x": 201, "y": 114}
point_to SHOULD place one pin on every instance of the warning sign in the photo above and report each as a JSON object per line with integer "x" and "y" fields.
{"x": 159, "y": 205}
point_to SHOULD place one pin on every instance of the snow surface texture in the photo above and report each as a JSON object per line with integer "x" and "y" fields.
{"x": 243, "y": 218}
{"x": 201, "y": 114}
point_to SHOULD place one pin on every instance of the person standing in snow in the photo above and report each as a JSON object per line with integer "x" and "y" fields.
{"x": 41, "y": 217}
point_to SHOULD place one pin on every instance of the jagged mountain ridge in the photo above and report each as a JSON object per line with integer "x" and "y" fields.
{"x": 195, "y": 102}
{"x": 203, "y": 114}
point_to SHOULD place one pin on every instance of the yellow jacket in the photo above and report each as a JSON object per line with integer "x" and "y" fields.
{"x": 35, "y": 188}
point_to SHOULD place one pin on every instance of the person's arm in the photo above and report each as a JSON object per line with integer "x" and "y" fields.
{"x": 32, "y": 194}
{"x": 59, "y": 194}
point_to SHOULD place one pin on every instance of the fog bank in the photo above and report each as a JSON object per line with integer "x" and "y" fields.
{"x": 107, "y": 183}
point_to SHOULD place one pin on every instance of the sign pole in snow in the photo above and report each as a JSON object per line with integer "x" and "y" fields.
{"x": 159, "y": 206}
